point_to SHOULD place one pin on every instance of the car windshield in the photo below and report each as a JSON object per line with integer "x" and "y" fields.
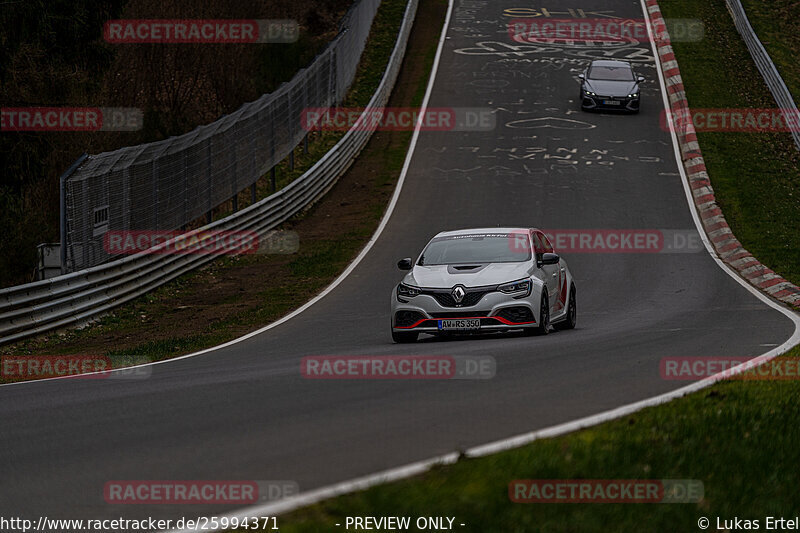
{"x": 611, "y": 73}
{"x": 474, "y": 248}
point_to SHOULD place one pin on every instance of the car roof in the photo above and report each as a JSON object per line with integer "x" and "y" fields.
{"x": 610, "y": 63}
{"x": 481, "y": 230}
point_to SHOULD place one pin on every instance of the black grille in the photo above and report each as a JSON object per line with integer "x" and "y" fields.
{"x": 472, "y": 296}
{"x": 460, "y": 314}
{"x": 516, "y": 314}
{"x": 404, "y": 319}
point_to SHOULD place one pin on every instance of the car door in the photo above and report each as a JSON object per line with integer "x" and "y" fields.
{"x": 550, "y": 273}
{"x": 559, "y": 298}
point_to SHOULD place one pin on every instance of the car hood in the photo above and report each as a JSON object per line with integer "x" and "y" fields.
{"x": 446, "y": 276}
{"x": 611, "y": 88}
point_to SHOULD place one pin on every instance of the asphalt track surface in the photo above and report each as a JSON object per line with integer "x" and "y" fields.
{"x": 245, "y": 411}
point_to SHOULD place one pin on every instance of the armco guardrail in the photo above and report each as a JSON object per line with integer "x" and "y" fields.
{"x": 765, "y": 65}
{"x": 34, "y": 308}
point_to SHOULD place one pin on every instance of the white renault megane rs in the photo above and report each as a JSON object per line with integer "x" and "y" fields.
{"x": 483, "y": 280}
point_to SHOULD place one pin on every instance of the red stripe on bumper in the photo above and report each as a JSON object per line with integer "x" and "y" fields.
{"x": 500, "y": 319}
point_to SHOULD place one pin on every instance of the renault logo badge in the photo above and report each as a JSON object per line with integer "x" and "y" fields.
{"x": 459, "y": 293}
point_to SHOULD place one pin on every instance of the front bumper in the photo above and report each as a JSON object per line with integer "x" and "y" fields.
{"x": 623, "y": 103}
{"x": 496, "y": 311}
{"x": 492, "y": 323}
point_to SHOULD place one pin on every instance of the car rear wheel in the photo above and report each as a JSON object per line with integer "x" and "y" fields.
{"x": 403, "y": 337}
{"x": 572, "y": 312}
{"x": 544, "y": 319}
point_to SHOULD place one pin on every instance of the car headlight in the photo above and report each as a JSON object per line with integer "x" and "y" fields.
{"x": 634, "y": 95}
{"x": 588, "y": 93}
{"x": 523, "y": 287}
{"x": 407, "y": 291}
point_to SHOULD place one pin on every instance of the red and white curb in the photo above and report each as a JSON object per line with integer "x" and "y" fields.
{"x": 728, "y": 248}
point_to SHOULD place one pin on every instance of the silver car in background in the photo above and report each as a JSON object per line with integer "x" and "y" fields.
{"x": 484, "y": 280}
{"x": 610, "y": 85}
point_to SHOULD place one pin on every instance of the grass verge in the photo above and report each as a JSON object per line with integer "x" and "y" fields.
{"x": 739, "y": 438}
{"x": 775, "y": 23}
{"x": 235, "y": 295}
{"x": 756, "y": 176}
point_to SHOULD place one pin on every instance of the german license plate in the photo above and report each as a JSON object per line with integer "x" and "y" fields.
{"x": 611, "y": 102}
{"x": 460, "y": 324}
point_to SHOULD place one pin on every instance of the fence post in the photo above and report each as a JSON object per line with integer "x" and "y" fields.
{"x": 185, "y": 192}
{"x": 305, "y": 108}
{"x": 62, "y": 202}
{"x": 155, "y": 192}
{"x": 331, "y": 74}
{"x": 236, "y": 193}
{"x": 255, "y": 171}
{"x": 291, "y": 129}
{"x": 210, "y": 212}
{"x": 272, "y": 145}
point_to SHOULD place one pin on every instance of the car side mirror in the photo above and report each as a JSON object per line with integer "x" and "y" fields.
{"x": 549, "y": 259}
{"x": 582, "y": 76}
{"x": 640, "y": 79}
{"x": 404, "y": 264}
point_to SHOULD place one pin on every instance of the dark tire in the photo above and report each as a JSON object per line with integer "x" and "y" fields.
{"x": 403, "y": 337}
{"x": 572, "y": 312}
{"x": 544, "y": 323}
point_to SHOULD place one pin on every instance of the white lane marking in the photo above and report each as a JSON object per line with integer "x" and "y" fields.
{"x": 413, "y": 469}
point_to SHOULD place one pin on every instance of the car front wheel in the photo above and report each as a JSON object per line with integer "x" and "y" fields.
{"x": 572, "y": 312}
{"x": 544, "y": 319}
